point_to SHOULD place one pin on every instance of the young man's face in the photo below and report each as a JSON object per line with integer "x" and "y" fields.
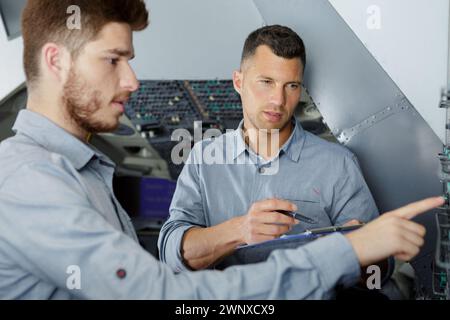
{"x": 270, "y": 89}
{"x": 101, "y": 80}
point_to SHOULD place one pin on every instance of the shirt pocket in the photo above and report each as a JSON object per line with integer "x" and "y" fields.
{"x": 310, "y": 214}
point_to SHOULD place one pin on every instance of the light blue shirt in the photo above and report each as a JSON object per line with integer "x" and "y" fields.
{"x": 58, "y": 211}
{"x": 322, "y": 178}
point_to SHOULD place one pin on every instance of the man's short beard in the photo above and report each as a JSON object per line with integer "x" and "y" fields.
{"x": 82, "y": 103}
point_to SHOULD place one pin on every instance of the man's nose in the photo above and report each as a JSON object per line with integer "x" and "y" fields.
{"x": 129, "y": 81}
{"x": 278, "y": 97}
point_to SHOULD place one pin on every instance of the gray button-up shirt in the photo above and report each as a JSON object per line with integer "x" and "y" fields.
{"x": 63, "y": 235}
{"x": 222, "y": 178}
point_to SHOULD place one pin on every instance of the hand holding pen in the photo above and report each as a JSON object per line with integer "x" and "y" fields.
{"x": 264, "y": 221}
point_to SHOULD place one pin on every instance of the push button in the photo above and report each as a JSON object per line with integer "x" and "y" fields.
{"x": 121, "y": 273}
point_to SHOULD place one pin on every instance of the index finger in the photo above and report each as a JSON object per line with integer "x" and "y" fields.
{"x": 413, "y": 209}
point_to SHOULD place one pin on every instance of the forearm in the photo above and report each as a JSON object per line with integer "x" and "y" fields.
{"x": 309, "y": 272}
{"x": 201, "y": 247}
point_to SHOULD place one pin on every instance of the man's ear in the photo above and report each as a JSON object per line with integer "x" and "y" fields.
{"x": 53, "y": 61}
{"x": 237, "y": 81}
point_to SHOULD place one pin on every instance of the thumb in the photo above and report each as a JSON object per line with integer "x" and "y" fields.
{"x": 353, "y": 222}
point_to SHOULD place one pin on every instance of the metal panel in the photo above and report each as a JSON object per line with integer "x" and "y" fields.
{"x": 10, "y": 11}
{"x": 399, "y": 158}
{"x": 409, "y": 39}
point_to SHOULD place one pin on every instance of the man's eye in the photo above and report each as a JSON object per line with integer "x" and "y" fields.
{"x": 113, "y": 61}
{"x": 265, "y": 81}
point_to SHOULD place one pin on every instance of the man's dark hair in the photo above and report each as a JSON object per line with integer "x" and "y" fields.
{"x": 283, "y": 42}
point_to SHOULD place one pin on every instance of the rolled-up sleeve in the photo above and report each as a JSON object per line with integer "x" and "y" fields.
{"x": 186, "y": 211}
{"x": 352, "y": 198}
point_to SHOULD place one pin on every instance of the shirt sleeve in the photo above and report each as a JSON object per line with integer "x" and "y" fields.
{"x": 47, "y": 225}
{"x": 352, "y": 198}
{"x": 186, "y": 211}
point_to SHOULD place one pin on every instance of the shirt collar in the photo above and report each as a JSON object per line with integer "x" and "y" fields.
{"x": 240, "y": 145}
{"x": 292, "y": 147}
{"x": 54, "y": 138}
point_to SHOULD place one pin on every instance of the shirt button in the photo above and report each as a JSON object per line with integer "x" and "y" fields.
{"x": 121, "y": 273}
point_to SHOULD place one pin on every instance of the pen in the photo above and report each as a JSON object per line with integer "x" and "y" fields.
{"x": 296, "y": 215}
{"x": 334, "y": 229}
